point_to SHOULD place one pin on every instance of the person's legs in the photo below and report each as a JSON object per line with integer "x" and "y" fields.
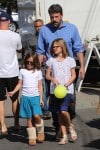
{"x": 11, "y": 83}
{"x": 71, "y": 107}
{"x": 37, "y": 121}
{"x": 35, "y": 125}
{"x": 15, "y": 110}
{"x": 46, "y": 91}
{"x": 2, "y": 105}
{"x": 66, "y": 118}
{"x": 63, "y": 122}
{"x": 45, "y": 98}
{"x": 55, "y": 121}
{"x": 66, "y": 115}
{"x": 2, "y": 118}
{"x": 71, "y": 110}
{"x": 53, "y": 106}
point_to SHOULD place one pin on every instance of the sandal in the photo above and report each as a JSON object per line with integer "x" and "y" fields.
{"x": 73, "y": 133}
{"x": 63, "y": 140}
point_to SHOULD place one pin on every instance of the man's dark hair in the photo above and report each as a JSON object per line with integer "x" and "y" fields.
{"x": 55, "y": 8}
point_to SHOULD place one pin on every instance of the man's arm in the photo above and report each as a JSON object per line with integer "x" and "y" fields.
{"x": 79, "y": 51}
{"x": 40, "y": 48}
{"x": 80, "y": 56}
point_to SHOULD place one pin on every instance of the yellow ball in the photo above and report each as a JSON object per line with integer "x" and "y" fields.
{"x": 60, "y": 91}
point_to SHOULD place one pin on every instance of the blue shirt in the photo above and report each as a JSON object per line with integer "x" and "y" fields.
{"x": 67, "y": 31}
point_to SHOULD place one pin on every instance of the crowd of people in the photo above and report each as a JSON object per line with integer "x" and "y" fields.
{"x": 49, "y": 63}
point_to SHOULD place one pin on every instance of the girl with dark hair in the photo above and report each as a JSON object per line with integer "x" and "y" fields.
{"x": 30, "y": 80}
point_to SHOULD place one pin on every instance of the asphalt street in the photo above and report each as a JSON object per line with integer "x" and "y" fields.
{"x": 87, "y": 125}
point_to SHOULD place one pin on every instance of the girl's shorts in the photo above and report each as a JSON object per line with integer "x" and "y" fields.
{"x": 30, "y": 106}
{"x": 57, "y": 105}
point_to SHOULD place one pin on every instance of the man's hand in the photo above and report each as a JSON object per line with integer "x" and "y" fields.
{"x": 42, "y": 58}
{"x": 81, "y": 73}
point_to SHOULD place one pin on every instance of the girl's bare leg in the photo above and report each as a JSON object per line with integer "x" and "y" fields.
{"x": 70, "y": 126}
{"x": 62, "y": 123}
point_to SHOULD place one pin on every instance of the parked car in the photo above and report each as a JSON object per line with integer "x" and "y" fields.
{"x": 14, "y": 22}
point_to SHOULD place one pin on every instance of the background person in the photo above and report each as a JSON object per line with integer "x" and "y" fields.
{"x": 57, "y": 28}
{"x": 9, "y": 69}
{"x": 30, "y": 45}
{"x": 38, "y": 23}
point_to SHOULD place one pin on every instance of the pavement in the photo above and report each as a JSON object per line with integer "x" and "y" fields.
{"x": 87, "y": 125}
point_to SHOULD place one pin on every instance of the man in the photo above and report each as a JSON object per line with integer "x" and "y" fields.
{"x": 57, "y": 28}
{"x": 38, "y": 23}
{"x": 9, "y": 69}
{"x": 31, "y": 41}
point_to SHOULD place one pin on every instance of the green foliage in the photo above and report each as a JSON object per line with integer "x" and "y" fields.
{"x": 10, "y": 5}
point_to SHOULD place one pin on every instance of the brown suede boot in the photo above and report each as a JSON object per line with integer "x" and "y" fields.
{"x": 32, "y": 142}
{"x": 40, "y": 132}
{"x": 40, "y": 137}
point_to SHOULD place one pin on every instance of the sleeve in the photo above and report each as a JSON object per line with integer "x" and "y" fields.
{"x": 40, "y": 77}
{"x": 76, "y": 41}
{"x": 20, "y": 75}
{"x": 73, "y": 63}
{"x": 40, "y": 48}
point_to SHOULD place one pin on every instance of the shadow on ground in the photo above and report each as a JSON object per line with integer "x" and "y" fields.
{"x": 21, "y": 135}
{"x": 95, "y": 123}
{"x": 94, "y": 144}
{"x": 91, "y": 91}
{"x": 16, "y": 136}
{"x": 49, "y": 133}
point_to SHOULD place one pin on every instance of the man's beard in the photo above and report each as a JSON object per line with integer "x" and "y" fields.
{"x": 56, "y": 24}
